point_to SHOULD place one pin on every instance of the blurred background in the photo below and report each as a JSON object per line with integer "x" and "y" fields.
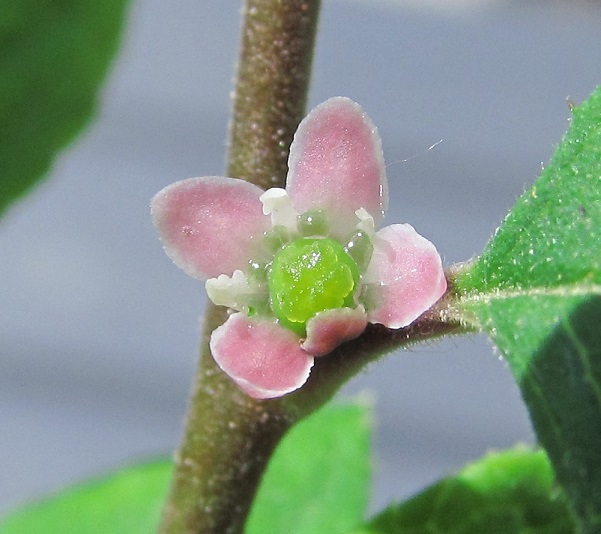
{"x": 99, "y": 331}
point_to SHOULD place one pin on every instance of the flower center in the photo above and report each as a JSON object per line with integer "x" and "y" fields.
{"x": 310, "y": 275}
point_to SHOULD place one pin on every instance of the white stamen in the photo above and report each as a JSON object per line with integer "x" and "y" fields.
{"x": 277, "y": 203}
{"x": 232, "y": 292}
{"x": 366, "y": 223}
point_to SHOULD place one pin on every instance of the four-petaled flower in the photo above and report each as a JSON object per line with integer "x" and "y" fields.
{"x": 303, "y": 267}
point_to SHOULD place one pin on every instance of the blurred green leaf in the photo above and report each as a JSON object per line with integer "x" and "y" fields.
{"x": 318, "y": 479}
{"x": 536, "y": 290}
{"x": 511, "y": 492}
{"x": 54, "y": 55}
{"x": 127, "y": 502}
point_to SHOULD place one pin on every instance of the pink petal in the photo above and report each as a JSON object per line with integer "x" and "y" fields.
{"x": 330, "y": 328}
{"x": 406, "y": 276}
{"x": 209, "y": 226}
{"x": 262, "y": 357}
{"x": 336, "y": 163}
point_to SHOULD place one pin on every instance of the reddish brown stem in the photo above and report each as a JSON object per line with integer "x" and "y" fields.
{"x": 229, "y": 437}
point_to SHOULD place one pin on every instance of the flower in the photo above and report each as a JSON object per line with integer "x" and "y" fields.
{"x": 302, "y": 268}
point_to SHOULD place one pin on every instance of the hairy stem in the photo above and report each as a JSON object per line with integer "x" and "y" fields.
{"x": 229, "y": 437}
{"x": 271, "y": 90}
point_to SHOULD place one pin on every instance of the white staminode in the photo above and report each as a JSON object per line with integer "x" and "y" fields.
{"x": 277, "y": 203}
{"x": 366, "y": 223}
{"x": 229, "y": 291}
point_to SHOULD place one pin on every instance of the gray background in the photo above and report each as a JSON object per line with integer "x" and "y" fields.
{"x": 99, "y": 331}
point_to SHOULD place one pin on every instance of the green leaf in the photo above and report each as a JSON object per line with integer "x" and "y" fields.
{"x": 55, "y": 54}
{"x": 128, "y": 502}
{"x": 536, "y": 290}
{"x": 511, "y": 492}
{"x": 318, "y": 479}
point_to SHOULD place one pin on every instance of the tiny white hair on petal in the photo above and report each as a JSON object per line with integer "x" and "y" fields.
{"x": 277, "y": 203}
{"x": 229, "y": 291}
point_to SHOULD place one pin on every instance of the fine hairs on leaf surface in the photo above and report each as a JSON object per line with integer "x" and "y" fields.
{"x": 536, "y": 290}
{"x": 53, "y": 60}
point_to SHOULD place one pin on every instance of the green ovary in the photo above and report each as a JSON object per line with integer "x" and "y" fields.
{"x": 310, "y": 275}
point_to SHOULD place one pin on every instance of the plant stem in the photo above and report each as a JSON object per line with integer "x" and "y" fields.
{"x": 229, "y": 437}
{"x": 271, "y": 90}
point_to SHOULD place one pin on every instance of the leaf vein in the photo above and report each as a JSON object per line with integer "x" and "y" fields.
{"x": 583, "y": 354}
{"x": 576, "y": 290}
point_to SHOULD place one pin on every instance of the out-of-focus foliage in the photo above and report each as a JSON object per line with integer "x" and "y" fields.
{"x": 317, "y": 481}
{"x": 54, "y": 54}
{"x": 511, "y": 492}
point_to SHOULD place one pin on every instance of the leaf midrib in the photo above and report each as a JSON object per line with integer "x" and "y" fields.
{"x": 582, "y": 289}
